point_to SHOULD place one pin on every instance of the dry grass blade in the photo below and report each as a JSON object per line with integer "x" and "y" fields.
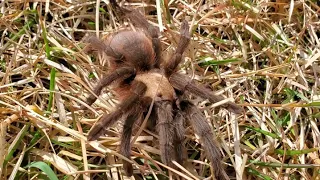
{"x": 17, "y": 166}
{"x": 175, "y": 171}
{"x": 58, "y": 162}
{"x": 184, "y": 170}
{"x": 3, "y": 129}
{"x": 262, "y": 55}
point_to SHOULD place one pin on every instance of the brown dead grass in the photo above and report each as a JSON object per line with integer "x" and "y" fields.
{"x": 263, "y": 55}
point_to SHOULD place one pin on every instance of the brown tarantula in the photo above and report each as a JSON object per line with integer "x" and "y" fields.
{"x": 139, "y": 77}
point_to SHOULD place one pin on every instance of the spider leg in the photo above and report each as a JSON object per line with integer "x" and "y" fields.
{"x": 165, "y": 130}
{"x": 179, "y": 131}
{"x": 137, "y": 90}
{"x": 140, "y": 21}
{"x": 204, "y": 131}
{"x": 125, "y": 146}
{"x": 182, "y": 45}
{"x": 183, "y": 83}
{"x": 122, "y": 72}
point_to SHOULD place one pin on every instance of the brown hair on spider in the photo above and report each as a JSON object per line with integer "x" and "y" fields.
{"x": 139, "y": 76}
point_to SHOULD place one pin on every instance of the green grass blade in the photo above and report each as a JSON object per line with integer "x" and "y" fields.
{"x": 44, "y": 168}
{"x": 15, "y": 144}
{"x": 207, "y": 61}
{"x": 46, "y": 43}
{"x": 264, "y": 132}
{"x": 284, "y": 165}
{"x": 295, "y": 152}
{"x": 312, "y": 104}
{"x": 258, "y": 174}
{"x": 52, "y": 87}
{"x": 22, "y": 31}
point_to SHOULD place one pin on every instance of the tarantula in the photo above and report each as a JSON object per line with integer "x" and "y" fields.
{"x": 140, "y": 77}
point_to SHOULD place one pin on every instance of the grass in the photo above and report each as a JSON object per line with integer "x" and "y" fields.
{"x": 263, "y": 55}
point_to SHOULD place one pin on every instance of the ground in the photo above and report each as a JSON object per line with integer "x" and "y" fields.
{"x": 262, "y": 55}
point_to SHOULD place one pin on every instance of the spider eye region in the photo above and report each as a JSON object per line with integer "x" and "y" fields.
{"x": 158, "y": 86}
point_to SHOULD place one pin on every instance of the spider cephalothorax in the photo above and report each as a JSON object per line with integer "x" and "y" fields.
{"x": 139, "y": 77}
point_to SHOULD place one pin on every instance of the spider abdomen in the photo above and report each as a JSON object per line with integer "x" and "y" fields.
{"x": 134, "y": 47}
{"x": 158, "y": 86}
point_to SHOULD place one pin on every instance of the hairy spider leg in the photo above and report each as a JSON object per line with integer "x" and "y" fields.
{"x": 136, "y": 92}
{"x": 183, "y": 83}
{"x": 175, "y": 60}
{"x": 134, "y": 115}
{"x": 165, "y": 130}
{"x": 122, "y": 72}
{"x": 204, "y": 131}
{"x": 179, "y": 131}
{"x": 140, "y": 21}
